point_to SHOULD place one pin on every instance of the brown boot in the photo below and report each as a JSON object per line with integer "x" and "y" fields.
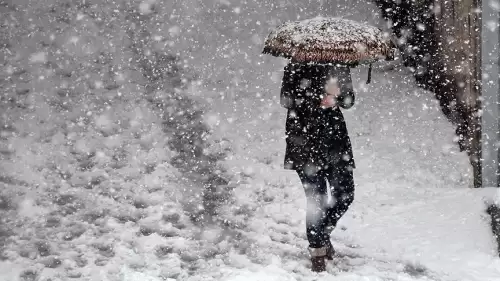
{"x": 318, "y": 256}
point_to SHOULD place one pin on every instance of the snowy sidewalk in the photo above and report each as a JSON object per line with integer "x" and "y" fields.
{"x": 414, "y": 217}
{"x": 102, "y": 201}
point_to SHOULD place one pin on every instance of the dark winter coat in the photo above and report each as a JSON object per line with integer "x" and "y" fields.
{"x": 316, "y": 137}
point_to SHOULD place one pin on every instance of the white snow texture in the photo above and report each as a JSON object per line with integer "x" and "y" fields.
{"x": 144, "y": 140}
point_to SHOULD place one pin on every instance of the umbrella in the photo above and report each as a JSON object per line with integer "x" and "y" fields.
{"x": 329, "y": 40}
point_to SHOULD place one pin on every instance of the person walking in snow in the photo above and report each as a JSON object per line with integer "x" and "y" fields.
{"x": 318, "y": 147}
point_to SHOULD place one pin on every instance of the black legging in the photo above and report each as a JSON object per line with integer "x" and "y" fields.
{"x": 322, "y": 212}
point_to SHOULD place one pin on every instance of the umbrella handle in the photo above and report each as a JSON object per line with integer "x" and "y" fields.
{"x": 369, "y": 79}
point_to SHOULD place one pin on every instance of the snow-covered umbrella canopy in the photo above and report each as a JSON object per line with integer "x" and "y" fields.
{"x": 329, "y": 40}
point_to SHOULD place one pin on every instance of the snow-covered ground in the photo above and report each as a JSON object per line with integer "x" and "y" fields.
{"x": 414, "y": 217}
{"x": 90, "y": 192}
